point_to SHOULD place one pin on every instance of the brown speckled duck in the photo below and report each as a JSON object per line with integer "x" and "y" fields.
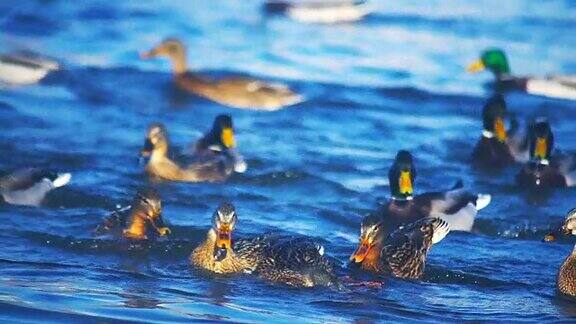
{"x": 293, "y": 260}
{"x": 457, "y": 206}
{"x": 403, "y": 252}
{"x": 214, "y": 160}
{"x": 545, "y": 168}
{"x": 566, "y": 282}
{"x": 143, "y": 221}
{"x": 29, "y": 186}
{"x": 237, "y": 92}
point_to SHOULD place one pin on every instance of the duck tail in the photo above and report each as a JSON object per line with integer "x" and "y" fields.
{"x": 61, "y": 180}
{"x": 324, "y": 278}
{"x": 458, "y": 185}
{"x": 482, "y": 201}
{"x": 441, "y": 228}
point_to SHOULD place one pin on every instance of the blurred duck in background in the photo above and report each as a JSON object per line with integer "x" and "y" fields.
{"x": 457, "y": 206}
{"x": 546, "y": 168}
{"x": 554, "y": 86}
{"x": 319, "y": 11}
{"x": 29, "y": 186}
{"x": 499, "y": 147}
{"x": 141, "y": 221}
{"x": 236, "y": 92}
{"x": 214, "y": 158}
{"x": 23, "y": 68}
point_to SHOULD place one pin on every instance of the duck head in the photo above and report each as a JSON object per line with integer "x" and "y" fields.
{"x": 156, "y": 142}
{"x": 224, "y": 221}
{"x": 494, "y": 60}
{"x": 541, "y": 141}
{"x": 401, "y": 176}
{"x": 569, "y": 227}
{"x": 370, "y": 238}
{"x": 147, "y": 210}
{"x": 493, "y": 118}
{"x": 221, "y": 136}
{"x": 171, "y": 48}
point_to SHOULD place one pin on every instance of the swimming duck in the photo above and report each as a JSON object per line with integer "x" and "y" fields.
{"x": 566, "y": 282}
{"x": 320, "y": 11}
{"x": 496, "y": 148}
{"x": 403, "y": 252}
{"x": 555, "y": 86}
{"x": 214, "y": 160}
{"x": 29, "y": 186}
{"x": 293, "y": 260}
{"x": 545, "y": 169}
{"x": 143, "y": 221}
{"x": 25, "y": 68}
{"x": 237, "y": 92}
{"x": 456, "y": 206}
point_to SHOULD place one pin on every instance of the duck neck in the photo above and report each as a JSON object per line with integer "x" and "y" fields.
{"x": 137, "y": 227}
{"x": 179, "y": 65}
{"x": 159, "y": 152}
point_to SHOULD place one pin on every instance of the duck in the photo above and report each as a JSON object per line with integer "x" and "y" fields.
{"x": 319, "y": 11}
{"x": 498, "y": 147}
{"x": 29, "y": 186}
{"x": 456, "y": 206}
{"x": 293, "y": 260}
{"x": 401, "y": 253}
{"x": 553, "y": 86}
{"x": 143, "y": 220}
{"x": 566, "y": 280}
{"x": 24, "y": 68}
{"x": 214, "y": 159}
{"x": 236, "y": 92}
{"x": 546, "y": 169}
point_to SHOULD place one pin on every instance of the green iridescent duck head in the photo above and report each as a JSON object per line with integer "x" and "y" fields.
{"x": 493, "y": 59}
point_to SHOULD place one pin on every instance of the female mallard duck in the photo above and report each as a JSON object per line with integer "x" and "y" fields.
{"x": 25, "y": 68}
{"x": 214, "y": 159}
{"x": 494, "y": 59}
{"x": 456, "y": 206}
{"x": 143, "y": 221}
{"x": 29, "y": 186}
{"x": 545, "y": 169}
{"x": 496, "y": 149}
{"x": 401, "y": 253}
{"x": 292, "y": 260}
{"x": 566, "y": 282}
{"x": 235, "y": 92}
{"x": 318, "y": 11}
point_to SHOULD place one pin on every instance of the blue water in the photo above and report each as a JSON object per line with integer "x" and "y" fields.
{"x": 394, "y": 81}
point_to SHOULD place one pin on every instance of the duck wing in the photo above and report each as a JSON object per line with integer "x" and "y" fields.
{"x": 26, "y": 178}
{"x": 558, "y": 86}
{"x": 518, "y": 140}
{"x": 567, "y": 167}
{"x": 405, "y": 250}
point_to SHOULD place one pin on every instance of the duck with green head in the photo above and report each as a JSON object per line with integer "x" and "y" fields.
{"x": 498, "y": 147}
{"x": 457, "y": 206}
{"x": 546, "y": 168}
{"x": 496, "y": 61}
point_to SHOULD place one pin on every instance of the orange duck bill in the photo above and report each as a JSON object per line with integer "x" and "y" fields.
{"x": 224, "y": 237}
{"x": 360, "y": 254}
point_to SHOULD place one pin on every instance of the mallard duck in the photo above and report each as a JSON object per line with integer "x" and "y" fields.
{"x": 320, "y": 11}
{"x": 566, "y": 282}
{"x": 237, "y": 92}
{"x": 29, "y": 186}
{"x": 214, "y": 160}
{"x": 456, "y": 206}
{"x": 495, "y": 60}
{"x": 293, "y": 260}
{"x": 143, "y": 221}
{"x": 496, "y": 149}
{"x": 25, "y": 68}
{"x": 401, "y": 253}
{"x": 546, "y": 169}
